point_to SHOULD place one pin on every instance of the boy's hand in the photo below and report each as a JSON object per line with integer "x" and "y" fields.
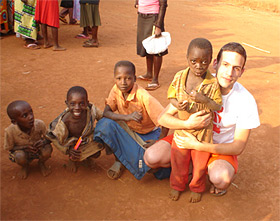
{"x": 149, "y": 143}
{"x": 182, "y": 105}
{"x": 74, "y": 155}
{"x": 198, "y": 97}
{"x": 31, "y": 149}
{"x": 38, "y": 144}
{"x": 136, "y": 116}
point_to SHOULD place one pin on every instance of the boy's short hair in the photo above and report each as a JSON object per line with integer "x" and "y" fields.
{"x": 233, "y": 47}
{"x": 11, "y": 108}
{"x": 126, "y": 64}
{"x": 76, "y": 89}
{"x": 201, "y": 43}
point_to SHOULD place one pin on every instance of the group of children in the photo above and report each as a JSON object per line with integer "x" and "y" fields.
{"x": 29, "y": 14}
{"x": 129, "y": 120}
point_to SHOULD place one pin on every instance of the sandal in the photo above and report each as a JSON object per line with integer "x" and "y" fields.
{"x": 217, "y": 192}
{"x": 63, "y": 20}
{"x": 115, "y": 171}
{"x": 152, "y": 86}
{"x": 142, "y": 77}
{"x": 32, "y": 46}
{"x": 82, "y": 36}
{"x": 90, "y": 44}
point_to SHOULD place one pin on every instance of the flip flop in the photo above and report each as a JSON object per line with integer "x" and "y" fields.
{"x": 141, "y": 77}
{"x": 152, "y": 86}
{"x": 82, "y": 36}
{"x": 220, "y": 193}
{"x": 63, "y": 20}
{"x": 90, "y": 44}
{"x": 117, "y": 168}
{"x": 32, "y": 46}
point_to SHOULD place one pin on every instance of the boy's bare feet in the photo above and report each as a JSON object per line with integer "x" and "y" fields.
{"x": 47, "y": 46}
{"x": 23, "y": 173}
{"x": 174, "y": 194}
{"x": 195, "y": 197}
{"x": 72, "y": 166}
{"x": 44, "y": 170}
{"x": 58, "y": 48}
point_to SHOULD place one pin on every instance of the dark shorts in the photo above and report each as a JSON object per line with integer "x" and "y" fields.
{"x": 144, "y": 29}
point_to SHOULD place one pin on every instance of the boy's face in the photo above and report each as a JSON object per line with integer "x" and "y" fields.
{"x": 199, "y": 61}
{"x": 77, "y": 104}
{"x": 124, "y": 79}
{"x": 228, "y": 70}
{"x": 23, "y": 116}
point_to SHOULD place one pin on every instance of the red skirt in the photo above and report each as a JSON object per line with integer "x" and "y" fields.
{"x": 47, "y": 12}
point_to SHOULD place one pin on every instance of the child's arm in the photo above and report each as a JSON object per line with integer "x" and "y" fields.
{"x": 161, "y": 15}
{"x": 135, "y": 116}
{"x": 200, "y": 98}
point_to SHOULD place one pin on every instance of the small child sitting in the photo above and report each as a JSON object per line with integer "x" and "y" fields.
{"x": 25, "y": 138}
{"x": 192, "y": 90}
{"x": 72, "y": 131}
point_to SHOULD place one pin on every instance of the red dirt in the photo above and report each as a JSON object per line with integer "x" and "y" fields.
{"x": 42, "y": 77}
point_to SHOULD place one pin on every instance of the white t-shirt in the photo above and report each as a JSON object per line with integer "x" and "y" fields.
{"x": 239, "y": 110}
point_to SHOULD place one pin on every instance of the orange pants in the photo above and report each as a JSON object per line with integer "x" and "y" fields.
{"x": 180, "y": 162}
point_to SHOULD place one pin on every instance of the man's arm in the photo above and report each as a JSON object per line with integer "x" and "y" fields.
{"x": 238, "y": 145}
{"x": 197, "y": 120}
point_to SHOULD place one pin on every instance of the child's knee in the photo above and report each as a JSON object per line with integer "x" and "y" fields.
{"x": 46, "y": 151}
{"x": 20, "y": 157}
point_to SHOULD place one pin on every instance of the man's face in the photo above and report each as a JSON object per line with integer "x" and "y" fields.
{"x": 228, "y": 70}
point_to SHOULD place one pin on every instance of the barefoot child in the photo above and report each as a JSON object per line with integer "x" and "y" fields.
{"x": 25, "y": 138}
{"x": 193, "y": 90}
{"x": 130, "y": 121}
{"x": 77, "y": 121}
{"x": 47, "y": 14}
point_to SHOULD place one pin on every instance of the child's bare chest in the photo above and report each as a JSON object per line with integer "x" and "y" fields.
{"x": 192, "y": 84}
{"x": 75, "y": 127}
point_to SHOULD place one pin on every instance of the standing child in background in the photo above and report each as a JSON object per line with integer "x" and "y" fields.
{"x": 193, "y": 90}
{"x": 25, "y": 24}
{"x": 25, "y": 138}
{"x": 129, "y": 123}
{"x": 67, "y": 10}
{"x": 47, "y": 14}
{"x": 151, "y": 14}
{"x": 90, "y": 20}
{"x": 77, "y": 121}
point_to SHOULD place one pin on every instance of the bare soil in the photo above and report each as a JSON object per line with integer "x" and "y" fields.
{"x": 42, "y": 77}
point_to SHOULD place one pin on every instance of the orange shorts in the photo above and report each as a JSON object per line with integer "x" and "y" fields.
{"x": 168, "y": 138}
{"x": 231, "y": 159}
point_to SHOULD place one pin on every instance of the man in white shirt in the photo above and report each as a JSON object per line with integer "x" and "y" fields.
{"x": 232, "y": 124}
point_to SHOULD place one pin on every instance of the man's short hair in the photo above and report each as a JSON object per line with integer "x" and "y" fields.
{"x": 76, "y": 89}
{"x": 201, "y": 43}
{"x": 233, "y": 47}
{"x": 126, "y": 64}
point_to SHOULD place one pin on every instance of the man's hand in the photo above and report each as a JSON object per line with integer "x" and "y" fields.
{"x": 199, "y": 120}
{"x": 187, "y": 142}
{"x": 135, "y": 116}
{"x": 149, "y": 143}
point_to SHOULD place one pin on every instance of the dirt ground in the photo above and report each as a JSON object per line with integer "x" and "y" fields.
{"x": 42, "y": 77}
